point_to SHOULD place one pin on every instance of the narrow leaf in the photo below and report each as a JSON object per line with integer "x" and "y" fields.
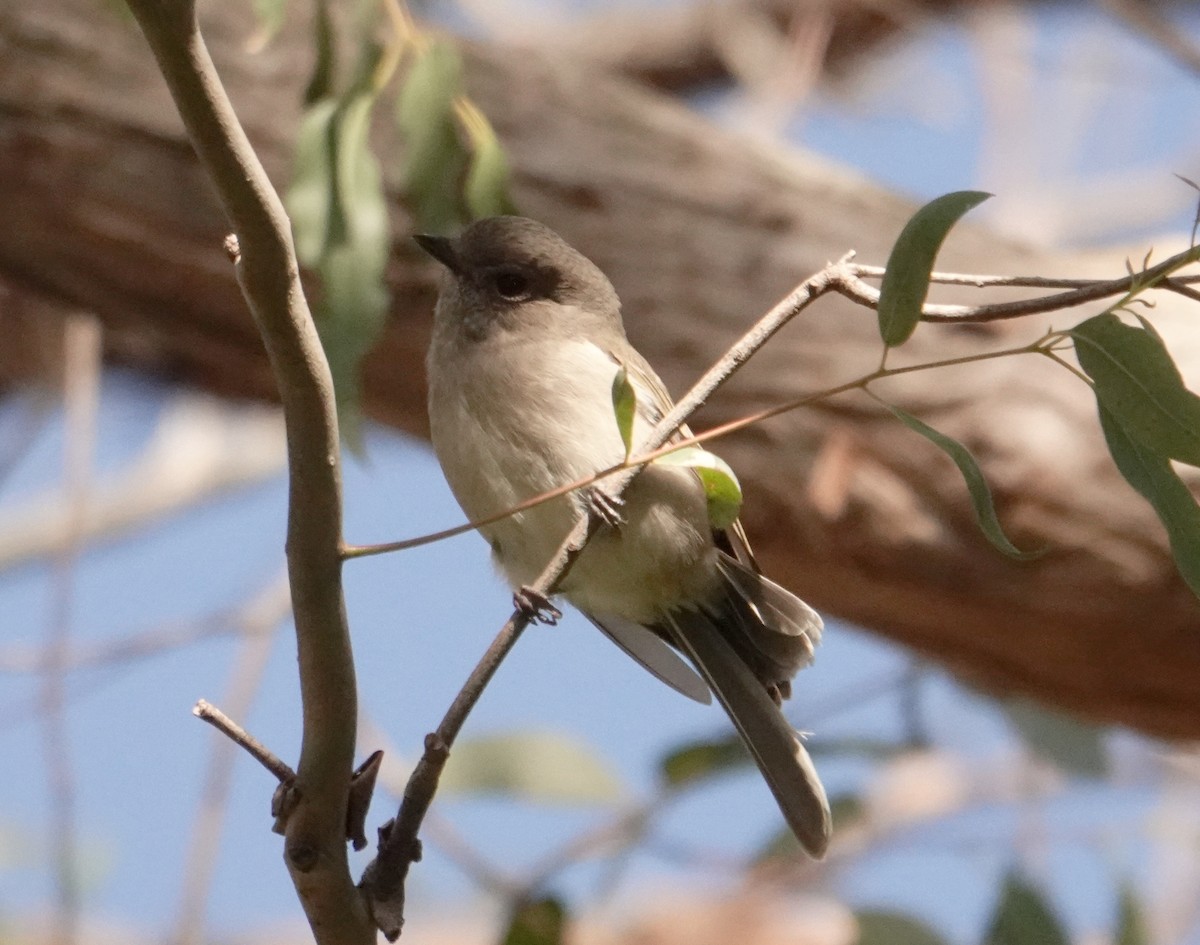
{"x": 906, "y": 279}
{"x": 977, "y": 487}
{"x": 434, "y": 158}
{"x": 1131, "y": 922}
{"x": 320, "y": 82}
{"x": 1137, "y": 381}
{"x": 486, "y": 186}
{"x": 1022, "y": 917}
{"x": 1075, "y": 746}
{"x": 537, "y": 922}
{"x": 1155, "y": 479}
{"x": 721, "y": 486}
{"x": 624, "y": 399}
{"x": 879, "y": 748}
{"x": 354, "y": 298}
{"x": 702, "y": 760}
{"x": 270, "y": 19}
{"x": 885, "y": 927}
{"x": 310, "y": 198}
{"x": 546, "y": 767}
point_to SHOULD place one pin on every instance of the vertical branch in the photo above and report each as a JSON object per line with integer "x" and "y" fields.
{"x": 81, "y": 391}
{"x": 267, "y": 270}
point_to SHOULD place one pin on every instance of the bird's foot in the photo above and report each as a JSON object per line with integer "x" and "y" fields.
{"x": 536, "y": 606}
{"x": 607, "y": 508}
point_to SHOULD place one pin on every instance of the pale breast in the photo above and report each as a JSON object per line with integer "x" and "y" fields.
{"x": 494, "y": 456}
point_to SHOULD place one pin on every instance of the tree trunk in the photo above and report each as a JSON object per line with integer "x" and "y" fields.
{"x": 700, "y": 232}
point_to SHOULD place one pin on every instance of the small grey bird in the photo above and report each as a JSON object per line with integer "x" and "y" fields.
{"x": 527, "y": 341}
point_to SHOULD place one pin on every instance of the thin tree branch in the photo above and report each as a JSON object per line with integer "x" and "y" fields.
{"x": 267, "y": 270}
{"x": 207, "y": 712}
{"x": 81, "y": 394}
{"x": 858, "y": 291}
{"x": 263, "y": 616}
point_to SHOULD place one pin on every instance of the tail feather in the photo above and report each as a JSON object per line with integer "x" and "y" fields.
{"x": 782, "y": 759}
{"x": 773, "y": 630}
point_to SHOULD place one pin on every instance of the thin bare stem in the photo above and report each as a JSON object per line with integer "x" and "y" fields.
{"x": 858, "y": 291}
{"x": 209, "y": 713}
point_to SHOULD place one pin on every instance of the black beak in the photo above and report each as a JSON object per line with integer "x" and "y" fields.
{"x": 440, "y": 248}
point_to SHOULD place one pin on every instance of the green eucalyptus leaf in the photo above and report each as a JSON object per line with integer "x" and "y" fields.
{"x": 1075, "y": 746}
{"x": 721, "y": 486}
{"x": 1138, "y": 383}
{"x": 486, "y": 186}
{"x": 1131, "y": 921}
{"x": 320, "y": 83}
{"x": 878, "y": 748}
{"x": 910, "y": 264}
{"x": 270, "y": 19}
{"x": 537, "y": 922}
{"x": 311, "y": 196}
{"x": 977, "y": 487}
{"x": 886, "y": 927}
{"x": 624, "y": 399}
{"x": 1023, "y": 917}
{"x": 434, "y": 158}
{"x": 339, "y": 217}
{"x": 702, "y": 760}
{"x": 540, "y": 766}
{"x": 1154, "y": 478}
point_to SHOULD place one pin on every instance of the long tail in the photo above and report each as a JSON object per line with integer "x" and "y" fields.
{"x": 776, "y": 748}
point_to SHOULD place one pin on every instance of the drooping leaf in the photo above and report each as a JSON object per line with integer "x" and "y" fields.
{"x": 624, "y": 399}
{"x": 547, "y": 767}
{"x": 721, "y": 486}
{"x": 1023, "y": 917}
{"x": 1075, "y": 746}
{"x": 1155, "y": 479}
{"x": 270, "y": 19}
{"x": 339, "y": 218}
{"x": 977, "y": 487}
{"x": 486, "y": 186}
{"x": 885, "y": 927}
{"x": 910, "y": 263}
{"x": 877, "y": 748}
{"x": 537, "y": 922}
{"x": 320, "y": 82}
{"x": 434, "y": 158}
{"x": 354, "y": 298}
{"x": 1131, "y": 922}
{"x": 699, "y": 761}
{"x": 1137, "y": 381}
{"x": 310, "y": 197}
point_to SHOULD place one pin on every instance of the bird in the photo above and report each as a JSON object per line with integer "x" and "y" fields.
{"x": 526, "y": 344}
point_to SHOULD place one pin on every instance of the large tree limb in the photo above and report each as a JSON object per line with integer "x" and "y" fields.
{"x": 700, "y": 232}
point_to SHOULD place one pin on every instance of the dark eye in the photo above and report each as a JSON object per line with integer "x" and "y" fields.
{"x": 512, "y": 285}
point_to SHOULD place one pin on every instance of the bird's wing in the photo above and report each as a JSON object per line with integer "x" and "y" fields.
{"x": 654, "y": 402}
{"x": 654, "y": 655}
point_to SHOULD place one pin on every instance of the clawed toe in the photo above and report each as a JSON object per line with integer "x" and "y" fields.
{"x": 536, "y": 606}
